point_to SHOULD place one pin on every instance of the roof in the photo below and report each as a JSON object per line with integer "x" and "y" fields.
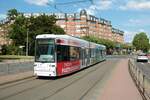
{"x": 67, "y": 39}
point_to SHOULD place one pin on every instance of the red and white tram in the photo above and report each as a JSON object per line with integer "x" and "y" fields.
{"x": 57, "y": 55}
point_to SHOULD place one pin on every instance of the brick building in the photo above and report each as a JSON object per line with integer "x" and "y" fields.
{"x": 82, "y": 24}
{"x": 3, "y": 39}
{"x": 3, "y": 36}
{"x": 78, "y": 24}
{"x": 118, "y": 35}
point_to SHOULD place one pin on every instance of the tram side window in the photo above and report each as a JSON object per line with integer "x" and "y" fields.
{"x": 63, "y": 53}
{"x": 67, "y": 53}
{"x": 103, "y": 52}
{"x": 92, "y": 52}
{"x": 74, "y": 53}
{"x": 87, "y": 53}
{"x": 97, "y": 52}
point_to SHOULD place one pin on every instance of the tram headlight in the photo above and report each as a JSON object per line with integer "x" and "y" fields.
{"x": 34, "y": 65}
{"x": 51, "y": 65}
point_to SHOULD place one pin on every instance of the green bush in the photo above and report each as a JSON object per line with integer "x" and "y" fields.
{"x": 10, "y": 50}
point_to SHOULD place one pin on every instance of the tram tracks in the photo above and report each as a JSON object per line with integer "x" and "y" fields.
{"x": 92, "y": 87}
{"x": 50, "y": 87}
{"x": 16, "y": 83}
{"x": 74, "y": 82}
{"x": 24, "y": 89}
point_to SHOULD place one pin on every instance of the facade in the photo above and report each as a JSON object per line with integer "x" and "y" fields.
{"x": 83, "y": 24}
{"x": 3, "y": 33}
{"x": 117, "y": 35}
{"x": 77, "y": 24}
{"x": 3, "y": 36}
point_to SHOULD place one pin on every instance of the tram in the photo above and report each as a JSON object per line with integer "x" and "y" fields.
{"x": 57, "y": 55}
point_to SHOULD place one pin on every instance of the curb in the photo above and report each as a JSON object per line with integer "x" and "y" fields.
{"x": 134, "y": 80}
{"x": 15, "y": 78}
{"x": 4, "y": 83}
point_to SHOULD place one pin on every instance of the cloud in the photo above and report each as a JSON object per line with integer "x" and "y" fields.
{"x": 135, "y": 21}
{"x": 39, "y": 2}
{"x": 91, "y": 10}
{"x": 139, "y": 22}
{"x": 129, "y": 35}
{"x": 136, "y": 5}
{"x": 99, "y": 5}
{"x": 104, "y": 5}
{"x": 3, "y": 16}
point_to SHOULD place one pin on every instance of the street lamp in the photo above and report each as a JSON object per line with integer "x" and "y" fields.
{"x": 27, "y": 45}
{"x": 21, "y": 49}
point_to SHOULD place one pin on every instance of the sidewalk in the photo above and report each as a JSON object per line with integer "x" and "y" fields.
{"x": 120, "y": 86}
{"x": 17, "y": 61}
{"x": 15, "y": 77}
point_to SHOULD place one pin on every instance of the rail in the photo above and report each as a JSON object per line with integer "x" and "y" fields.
{"x": 141, "y": 80}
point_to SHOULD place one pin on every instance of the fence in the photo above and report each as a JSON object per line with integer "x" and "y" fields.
{"x": 15, "y": 67}
{"x": 141, "y": 80}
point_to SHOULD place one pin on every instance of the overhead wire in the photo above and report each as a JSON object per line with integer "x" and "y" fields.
{"x": 73, "y": 2}
{"x": 55, "y": 6}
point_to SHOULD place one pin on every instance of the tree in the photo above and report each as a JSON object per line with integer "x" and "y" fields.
{"x": 21, "y": 25}
{"x": 42, "y": 24}
{"x": 18, "y": 31}
{"x": 109, "y": 44}
{"x": 12, "y": 14}
{"x": 57, "y": 30}
{"x": 141, "y": 42}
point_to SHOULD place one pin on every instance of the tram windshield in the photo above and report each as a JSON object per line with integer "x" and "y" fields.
{"x": 45, "y": 50}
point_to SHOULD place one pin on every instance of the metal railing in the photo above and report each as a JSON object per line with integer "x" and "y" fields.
{"x": 141, "y": 80}
{"x": 15, "y": 67}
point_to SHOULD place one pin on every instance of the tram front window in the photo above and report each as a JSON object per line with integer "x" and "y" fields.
{"x": 45, "y": 50}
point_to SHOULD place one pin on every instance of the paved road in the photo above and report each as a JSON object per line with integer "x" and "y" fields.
{"x": 145, "y": 67}
{"x": 83, "y": 85}
{"x": 117, "y": 57}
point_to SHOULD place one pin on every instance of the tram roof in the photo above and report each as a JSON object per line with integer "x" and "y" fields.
{"x": 68, "y": 37}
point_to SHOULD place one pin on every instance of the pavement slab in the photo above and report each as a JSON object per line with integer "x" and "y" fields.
{"x": 120, "y": 86}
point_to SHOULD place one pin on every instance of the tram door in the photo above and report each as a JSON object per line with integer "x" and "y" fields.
{"x": 83, "y": 54}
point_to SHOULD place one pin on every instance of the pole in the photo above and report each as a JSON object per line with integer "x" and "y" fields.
{"x": 27, "y": 44}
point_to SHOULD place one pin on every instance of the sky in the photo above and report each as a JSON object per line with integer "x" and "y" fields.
{"x": 130, "y": 16}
